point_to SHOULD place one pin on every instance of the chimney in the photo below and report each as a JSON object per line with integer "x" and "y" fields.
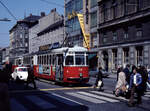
{"x": 53, "y": 10}
{"x": 30, "y": 14}
{"x": 42, "y": 14}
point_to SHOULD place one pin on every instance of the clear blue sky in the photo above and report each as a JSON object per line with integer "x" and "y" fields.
{"x": 21, "y": 7}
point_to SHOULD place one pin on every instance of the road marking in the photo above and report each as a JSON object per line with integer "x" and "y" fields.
{"x": 65, "y": 100}
{"x": 16, "y": 106}
{"x": 50, "y": 89}
{"x": 67, "y": 88}
{"x": 98, "y": 97}
{"x": 108, "y": 95}
{"x": 40, "y": 102}
{"x": 147, "y": 96}
{"x": 86, "y": 98}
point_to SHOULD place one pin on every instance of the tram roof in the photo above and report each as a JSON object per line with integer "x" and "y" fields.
{"x": 70, "y": 49}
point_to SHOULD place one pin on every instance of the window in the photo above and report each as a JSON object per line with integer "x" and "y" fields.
{"x": 93, "y": 19}
{"x": 69, "y": 60}
{"x": 93, "y": 3}
{"x": 126, "y": 34}
{"x": 94, "y": 42}
{"x": 139, "y": 33}
{"x": 26, "y": 44}
{"x": 114, "y": 36}
{"x": 87, "y": 60}
{"x": 21, "y": 35}
{"x": 104, "y": 38}
{"x": 79, "y": 59}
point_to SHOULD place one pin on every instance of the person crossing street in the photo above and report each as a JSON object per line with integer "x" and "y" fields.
{"x": 30, "y": 78}
{"x": 99, "y": 80}
{"x": 135, "y": 87}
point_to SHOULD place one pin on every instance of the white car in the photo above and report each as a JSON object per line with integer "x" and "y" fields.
{"x": 20, "y": 73}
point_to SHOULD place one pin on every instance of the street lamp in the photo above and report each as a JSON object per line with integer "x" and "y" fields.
{"x": 5, "y": 19}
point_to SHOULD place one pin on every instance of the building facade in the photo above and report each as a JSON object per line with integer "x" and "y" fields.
{"x": 19, "y": 36}
{"x": 124, "y": 36}
{"x": 72, "y": 26}
{"x": 47, "y": 32}
{"x": 5, "y": 54}
{"x": 0, "y": 55}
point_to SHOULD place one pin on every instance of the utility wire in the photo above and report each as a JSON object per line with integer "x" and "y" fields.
{"x": 8, "y": 10}
{"x": 52, "y": 3}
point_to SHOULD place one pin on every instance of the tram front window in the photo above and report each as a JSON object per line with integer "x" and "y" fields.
{"x": 79, "y": 59}
{"x": 69, "y": 60}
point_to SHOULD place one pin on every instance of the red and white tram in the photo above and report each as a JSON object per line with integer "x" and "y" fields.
{"x": 69, "y": 65}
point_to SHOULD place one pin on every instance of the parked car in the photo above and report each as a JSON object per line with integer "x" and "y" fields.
{"x": 94, "y": 72}
{"x": 20, "y": 73}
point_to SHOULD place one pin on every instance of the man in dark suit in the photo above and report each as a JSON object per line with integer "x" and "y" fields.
{"x": 99, "y": 79}
{"x": 30, "y": 78}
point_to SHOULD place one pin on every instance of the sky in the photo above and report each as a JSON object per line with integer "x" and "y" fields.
{"x": 19, "y": 9}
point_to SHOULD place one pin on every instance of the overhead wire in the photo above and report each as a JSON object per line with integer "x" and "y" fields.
{"x": 53, "y": 3}
{"x": 7, "y": 9}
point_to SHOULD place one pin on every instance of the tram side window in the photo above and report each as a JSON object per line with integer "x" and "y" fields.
{"x": 87, "y": 60}
{"x": 69, "y": 60}
{"x": 38, "y": 59}
{"x": 50, "y": 59}
{"x": 54, "y": 59}
{"x": 80, "y": 60}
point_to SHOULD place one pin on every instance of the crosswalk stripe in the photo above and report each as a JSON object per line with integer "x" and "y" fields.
{"x": 108, "y": 95}
{"x": 66, "y": 100}
{"x": 147, "y": 96}
{"x": 40, "y": 102}
{"x": 86, "y": 98}
{"x": 16, "y": 106}
{"x": 98, "y": 97}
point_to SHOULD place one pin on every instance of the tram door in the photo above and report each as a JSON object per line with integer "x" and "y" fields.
{"x": 59, "y": 67}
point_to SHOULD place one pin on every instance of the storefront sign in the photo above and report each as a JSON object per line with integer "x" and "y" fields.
{"x": 72, "y": 15}
{"x": 86, "y": 36}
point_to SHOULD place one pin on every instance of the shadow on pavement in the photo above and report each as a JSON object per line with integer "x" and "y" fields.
{"x": 35, "y": 100}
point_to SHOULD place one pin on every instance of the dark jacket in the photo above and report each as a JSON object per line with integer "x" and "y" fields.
{"x": 30, "y": 74}
{"x": 100, "y": 75}
{"x": 127, "y": 73}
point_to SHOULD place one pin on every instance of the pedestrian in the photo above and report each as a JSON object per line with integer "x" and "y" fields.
{"x": 135, "y": 87}
{"x": 148, "y": 80}
{"x": 144, "y": 75}
{"x": 118, "y": 71}
{"x": 121, "y": 83}
{"x": 30, "y": 78}
{"x": 127, "y": 73}
{"x": 4, "y": 95}
{"x": 99, "y": 80}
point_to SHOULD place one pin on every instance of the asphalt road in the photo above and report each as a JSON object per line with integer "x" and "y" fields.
{"x": 57, "y": 97}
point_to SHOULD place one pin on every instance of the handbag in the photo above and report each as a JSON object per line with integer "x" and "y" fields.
{"x": 124, "y": 88}
{"x": 99, "y": 83}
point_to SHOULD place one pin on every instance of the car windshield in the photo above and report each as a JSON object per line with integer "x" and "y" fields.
{"x": 22, "y": 69}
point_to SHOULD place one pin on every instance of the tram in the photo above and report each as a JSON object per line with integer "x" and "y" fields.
{"x": 67, "y": 65}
